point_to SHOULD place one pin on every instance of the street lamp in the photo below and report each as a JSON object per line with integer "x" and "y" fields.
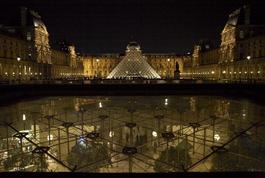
{"x": 168, "y": 66}
{"x": 19, "y": 72}
{"x": 97, "y": 68}
{"x": 24, "y": 119}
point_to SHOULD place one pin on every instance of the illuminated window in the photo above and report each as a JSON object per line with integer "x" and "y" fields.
{"x": 28, "y": 36}
{"x": 241, "y": 34}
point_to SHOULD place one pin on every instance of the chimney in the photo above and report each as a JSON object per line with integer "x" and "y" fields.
{"x": 247, "y": 14}
{"x": 23, "y": 14}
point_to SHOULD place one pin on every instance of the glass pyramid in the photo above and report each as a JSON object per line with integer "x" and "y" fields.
{"x": 133, "y": 65}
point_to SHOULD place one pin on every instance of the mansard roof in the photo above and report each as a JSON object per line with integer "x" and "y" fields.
{"x": 247, "y": 14}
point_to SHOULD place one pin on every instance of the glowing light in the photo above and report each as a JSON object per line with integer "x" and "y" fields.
{"x": 244, "y": 115}
{"x": 100, "y": 105}
{"x": 24, "y": 117}
{"x": 258, "y": 72}
{"x": 51, "y": 137}
{"x": 154, "y": 133}
{"x": 82, "y": 141}
{"x": 248, "y": 57}
{"x": 217, "y": 137}
{"x": 111, "y": 134}
{"x": 168, "y": 59}
{"x": 224, "y": 72}
{"x": 213, "y": 72}
{"x": 166, "y": 102}
{"x": 97, "y": 60}
{"x": 18, "y": 59}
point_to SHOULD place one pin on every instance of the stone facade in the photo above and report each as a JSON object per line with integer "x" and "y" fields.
{"x": 25, "y": 52}
{"x": 99, "y": 66}
{"x": 240, "y": 56}
{"x": 29, "y": 55}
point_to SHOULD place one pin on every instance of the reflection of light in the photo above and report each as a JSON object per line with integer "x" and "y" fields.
{"x": 24, "y": 117}
{"x": 154, "y": 133}
{"x": 111, "y": 133}
{"x": 81, "y": 141}
{"x": 217, "y": 137}
{"x": 166, "y": 102}
{"x": 51, "y": 137}
{"x": 100, "y": 105}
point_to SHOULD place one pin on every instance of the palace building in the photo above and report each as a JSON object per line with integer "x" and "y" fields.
{"x": 26, "y": 52}
{"x": 165, "y": 65}
{"x": 241, "y": 54}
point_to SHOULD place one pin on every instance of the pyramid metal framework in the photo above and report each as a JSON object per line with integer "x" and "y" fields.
{"x": 133, "y": 65}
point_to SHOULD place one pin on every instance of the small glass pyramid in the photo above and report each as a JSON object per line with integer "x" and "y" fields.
{"x": 133, "y": 65}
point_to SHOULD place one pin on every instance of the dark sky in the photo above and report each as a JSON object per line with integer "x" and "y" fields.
{"x": 106, "y": 26}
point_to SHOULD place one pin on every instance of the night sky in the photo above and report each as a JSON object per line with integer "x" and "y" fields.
{"x": 106, "y": 26}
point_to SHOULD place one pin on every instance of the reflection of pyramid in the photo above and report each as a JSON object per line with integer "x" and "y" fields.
{"x": 133, "y": 65}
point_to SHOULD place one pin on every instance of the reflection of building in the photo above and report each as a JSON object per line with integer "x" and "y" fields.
{"x": 25, "y": 52}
